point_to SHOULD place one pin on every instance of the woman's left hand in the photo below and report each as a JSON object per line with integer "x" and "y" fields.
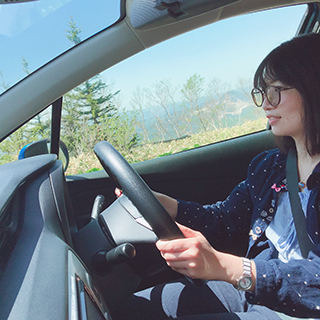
{"x": 194, "y": 257}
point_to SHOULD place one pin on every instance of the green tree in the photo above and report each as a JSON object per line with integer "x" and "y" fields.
{"x": 137, "y": 101}
{"x": 39, "y": 127}
{"x": 4, "y": 85}
{"x": 73, "y": 32}
{"x": 171, "y": 122}
{"x": 217, "y": 100}
{"x": 11, "y": 146}
{"x": 85, "y": 107}
{"x": 25, "y": 66}
{"x": 93, "y": 100}
{"x": 192, "y": 92}
{"x": 91, "y": 96}
{"x": 119, "y": 130}
{"x": 30, "y": 132}
{"x": 70, "y": 122}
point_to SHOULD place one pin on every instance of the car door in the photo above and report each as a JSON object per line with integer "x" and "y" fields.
{"x": 201, "y": 159}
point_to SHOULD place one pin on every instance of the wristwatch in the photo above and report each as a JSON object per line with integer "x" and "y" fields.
{"x": 244, "y": 283}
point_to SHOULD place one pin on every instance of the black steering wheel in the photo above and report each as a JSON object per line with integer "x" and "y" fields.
{"x": 137, "y": 191}
{"x": 140, "y": 195}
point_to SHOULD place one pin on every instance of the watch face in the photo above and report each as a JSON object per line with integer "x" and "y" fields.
{"x": 245, "y": 283}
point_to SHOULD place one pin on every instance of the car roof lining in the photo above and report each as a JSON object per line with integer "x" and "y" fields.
{"x": 169, "y": 30}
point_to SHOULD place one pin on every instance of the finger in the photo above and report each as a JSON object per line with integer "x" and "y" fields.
{"x": 118, "y": 192}
{"x": 188, "y": 266}
{"x": 176, "y": 256}
{"x": 178, "y": 264}
{"x": 177, "y": 245}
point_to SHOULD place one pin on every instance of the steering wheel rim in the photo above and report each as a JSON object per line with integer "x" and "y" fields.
{"x": 137, "y": 191}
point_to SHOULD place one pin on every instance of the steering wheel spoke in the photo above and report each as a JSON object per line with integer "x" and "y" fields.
{"x": 137, "y": 191}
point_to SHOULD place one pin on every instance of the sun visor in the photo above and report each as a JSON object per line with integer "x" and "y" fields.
{"x": 148, "y": 14}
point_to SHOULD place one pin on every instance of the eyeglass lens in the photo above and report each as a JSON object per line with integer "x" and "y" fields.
{"x": 272, "y": 94}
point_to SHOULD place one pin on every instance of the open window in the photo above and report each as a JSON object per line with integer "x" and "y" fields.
{"x": 186, "y": 92}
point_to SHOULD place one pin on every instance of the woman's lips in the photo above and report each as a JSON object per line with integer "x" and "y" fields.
{"x": 273, "y": 120}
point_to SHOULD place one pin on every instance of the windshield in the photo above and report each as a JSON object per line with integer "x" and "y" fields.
{"x": 33, "y": 33}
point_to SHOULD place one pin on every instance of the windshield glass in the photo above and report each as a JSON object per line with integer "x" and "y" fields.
{"x": 33, "y": 33}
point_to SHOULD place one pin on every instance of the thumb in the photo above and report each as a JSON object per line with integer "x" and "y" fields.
{"x": 187, "y": 232}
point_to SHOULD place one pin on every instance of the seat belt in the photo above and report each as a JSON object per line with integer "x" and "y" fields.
{"x": 298, "y": 216}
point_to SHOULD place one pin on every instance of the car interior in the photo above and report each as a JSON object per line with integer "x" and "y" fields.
{"x": 69, "y": 247}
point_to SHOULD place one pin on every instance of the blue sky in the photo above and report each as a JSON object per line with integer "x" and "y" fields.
{"x": 227, "y": 50}
{"x": 36, "y": 31}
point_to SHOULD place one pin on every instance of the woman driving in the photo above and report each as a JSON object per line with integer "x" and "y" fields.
{"x": 273, "y": 277}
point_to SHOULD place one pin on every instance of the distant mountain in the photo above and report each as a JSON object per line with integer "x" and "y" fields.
{"x": 238, "y": 110}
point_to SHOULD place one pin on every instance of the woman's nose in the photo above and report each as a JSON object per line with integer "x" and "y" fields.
{"x": 265, "y": 104}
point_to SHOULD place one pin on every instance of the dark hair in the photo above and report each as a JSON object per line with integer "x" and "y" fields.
{"x": 296, "y": 63}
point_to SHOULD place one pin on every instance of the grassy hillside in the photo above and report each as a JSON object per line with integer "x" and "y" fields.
{"x": 88, "y": 162}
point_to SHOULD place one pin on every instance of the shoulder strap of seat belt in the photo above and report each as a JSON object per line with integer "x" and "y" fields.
{"x": 298, "y": 216}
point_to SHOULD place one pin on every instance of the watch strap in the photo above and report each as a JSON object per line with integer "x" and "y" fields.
{"x": 246, "y": 264}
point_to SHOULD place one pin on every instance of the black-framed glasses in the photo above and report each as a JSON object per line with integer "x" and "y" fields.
{"x": 272, "y": 93}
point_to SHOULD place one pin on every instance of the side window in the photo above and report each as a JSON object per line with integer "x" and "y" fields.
{"x": 189, "y": 91}
{"x": 36, "y": 129}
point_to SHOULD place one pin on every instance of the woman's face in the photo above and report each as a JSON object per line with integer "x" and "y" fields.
{"x": 286, "y": 119}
